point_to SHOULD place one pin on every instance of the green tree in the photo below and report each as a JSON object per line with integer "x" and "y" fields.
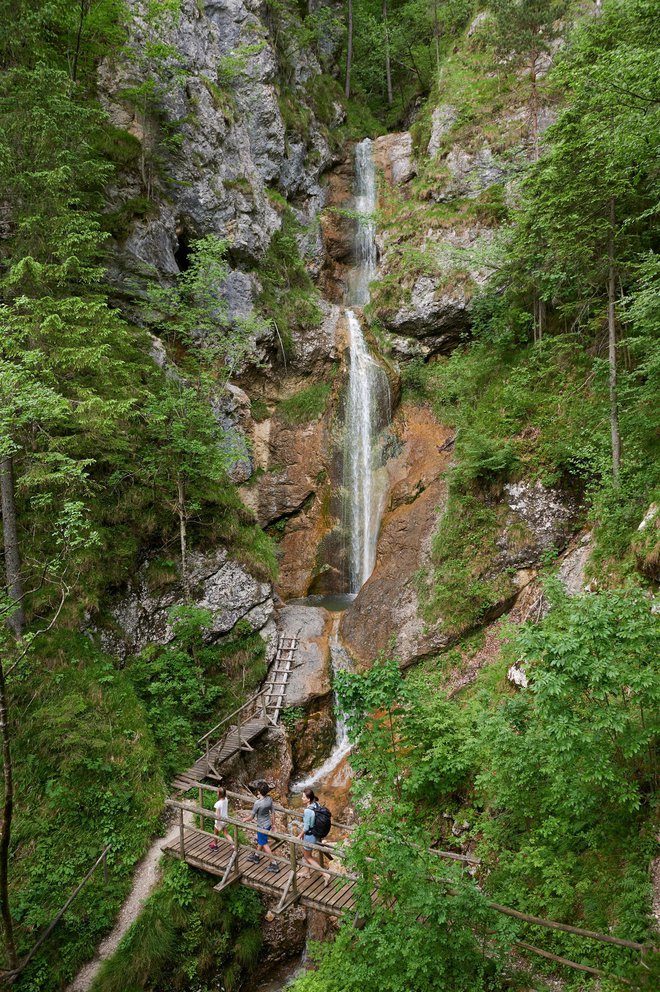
{"x": 389, "y": 851}
{"x": 569, "y": 766}
{"x": 585, "y": 217}
{"x": 526, "y": 31}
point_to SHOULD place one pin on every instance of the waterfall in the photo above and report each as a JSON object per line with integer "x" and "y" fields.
{"x": 363, "y": 270}
{"x": 368, "y": 400}
{"x": 342, "y": 746}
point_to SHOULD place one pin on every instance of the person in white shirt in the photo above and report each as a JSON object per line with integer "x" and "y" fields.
{"x": 221, "y": 813}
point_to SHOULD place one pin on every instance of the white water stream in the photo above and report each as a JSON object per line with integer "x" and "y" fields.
{"x": 368, "y": 410}
{"x": 368, "y": 404}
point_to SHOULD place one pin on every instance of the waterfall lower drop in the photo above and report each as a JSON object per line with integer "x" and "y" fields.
{"x": 342, "y": 746}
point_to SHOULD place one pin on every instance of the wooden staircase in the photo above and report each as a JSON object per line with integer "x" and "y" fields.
{"x": 239, "y": 730}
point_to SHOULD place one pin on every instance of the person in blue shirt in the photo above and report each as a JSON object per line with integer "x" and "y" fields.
{"x": 306, "y": 834}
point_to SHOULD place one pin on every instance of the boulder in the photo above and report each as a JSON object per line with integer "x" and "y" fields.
{"x": 310, "y": 685}
{"x": 310, "y": 679}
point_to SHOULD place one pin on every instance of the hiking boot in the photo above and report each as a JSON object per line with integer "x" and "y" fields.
{"x": 273, "y": 866}
{"x": 254, "y": 858}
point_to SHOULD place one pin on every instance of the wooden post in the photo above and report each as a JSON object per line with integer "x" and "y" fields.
{"x": 236, "y": 871}
{"x": 182, "y": 842}
{"x": 294, "y": 868}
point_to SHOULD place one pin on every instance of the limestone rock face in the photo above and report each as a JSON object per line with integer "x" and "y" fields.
{"x": 393, "y": 154}
{"x": 316, "y": 349}
{"x": 270, "y": 761}
{"x": 539, "y": 518}
{"x": 223, "y": 102}
{"x": 435, "y": 317}
{"x": 310, "y": 680}
{"x": 290, "y": 494}
{"x": 310, "y": 685}
{"x": 218, "y": 584}
{"x": 337, "y": 229}
{"x": 442, "y": 120}
{"x": 387, "y": 607}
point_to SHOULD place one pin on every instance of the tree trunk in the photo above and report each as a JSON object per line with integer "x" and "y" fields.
{"x": 436, "y": 38}
{"x": 349, "y": 50}
{"x": 181, "y": 510}
{"x": 534, "y": 108}
{"x": 5, "y": 827}
{"x": 84, "y": 10}
{"x": 12, "y": 552}
{"x": 388, "y": 67}
{"x": 611, "y": 333}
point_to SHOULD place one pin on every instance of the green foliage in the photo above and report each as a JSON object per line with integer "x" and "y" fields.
{"x": 288, "y": 297}
{"x": 307, "y": 405}
{"x": 194, "y": 312}
{"x": 173, "y": 684}
{"x": 573, "y": 844}
{"x": 187, "y": 933}
{"x": 86, "y": 774}
{"x": 557, "y": 781}
{"x": 290, "y": 716}
{"x": 389, "y": 849}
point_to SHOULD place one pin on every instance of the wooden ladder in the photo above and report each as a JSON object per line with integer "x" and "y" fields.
{"x": 275, "y": 688}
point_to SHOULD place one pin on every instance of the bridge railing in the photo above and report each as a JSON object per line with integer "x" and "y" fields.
{"x": 294, "y": 816}
{"x": 256, "y": 706}
{"x": 325, "y": 849}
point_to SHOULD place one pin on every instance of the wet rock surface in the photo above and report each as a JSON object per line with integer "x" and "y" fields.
{"x": 387, "y": 607}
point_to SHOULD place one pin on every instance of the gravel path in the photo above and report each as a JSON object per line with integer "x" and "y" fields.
{"x": 146, "y": 877}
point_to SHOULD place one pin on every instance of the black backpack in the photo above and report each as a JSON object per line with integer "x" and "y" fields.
{"x": 322, "y": 821}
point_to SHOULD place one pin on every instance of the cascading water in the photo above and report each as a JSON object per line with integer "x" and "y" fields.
{"x": 364, "y": 241}
{"x": 368, "y": 400}
{"x": 368, "y": 410}
{"x": 342, "y": 746}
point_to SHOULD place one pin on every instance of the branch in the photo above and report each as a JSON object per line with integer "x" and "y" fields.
{"x": 44, "y": 630}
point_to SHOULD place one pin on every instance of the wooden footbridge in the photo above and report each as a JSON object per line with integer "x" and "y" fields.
{"x": 238, "y": 731}
{"x": 328, "y": 886}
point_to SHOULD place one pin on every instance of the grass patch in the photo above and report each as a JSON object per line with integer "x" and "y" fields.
{"x": 187, "y": 936}
{"x": 307, "y": 405}
{"x": 87, "y": 774}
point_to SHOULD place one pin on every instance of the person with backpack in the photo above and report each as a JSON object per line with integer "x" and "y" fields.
{"x": 316, "y": 825}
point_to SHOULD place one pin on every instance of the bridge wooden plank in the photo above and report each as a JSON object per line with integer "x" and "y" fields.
{"x": 345, "y": 897}
{"x": 313, "y": 892}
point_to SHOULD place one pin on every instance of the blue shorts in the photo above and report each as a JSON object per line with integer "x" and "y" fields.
{"x": 262, "y": 839}
{"x": 309, "y": 840}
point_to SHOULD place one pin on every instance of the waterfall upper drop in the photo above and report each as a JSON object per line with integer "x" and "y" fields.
{"x": 368, "y": 401}
{"x": 365, "y": 256}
